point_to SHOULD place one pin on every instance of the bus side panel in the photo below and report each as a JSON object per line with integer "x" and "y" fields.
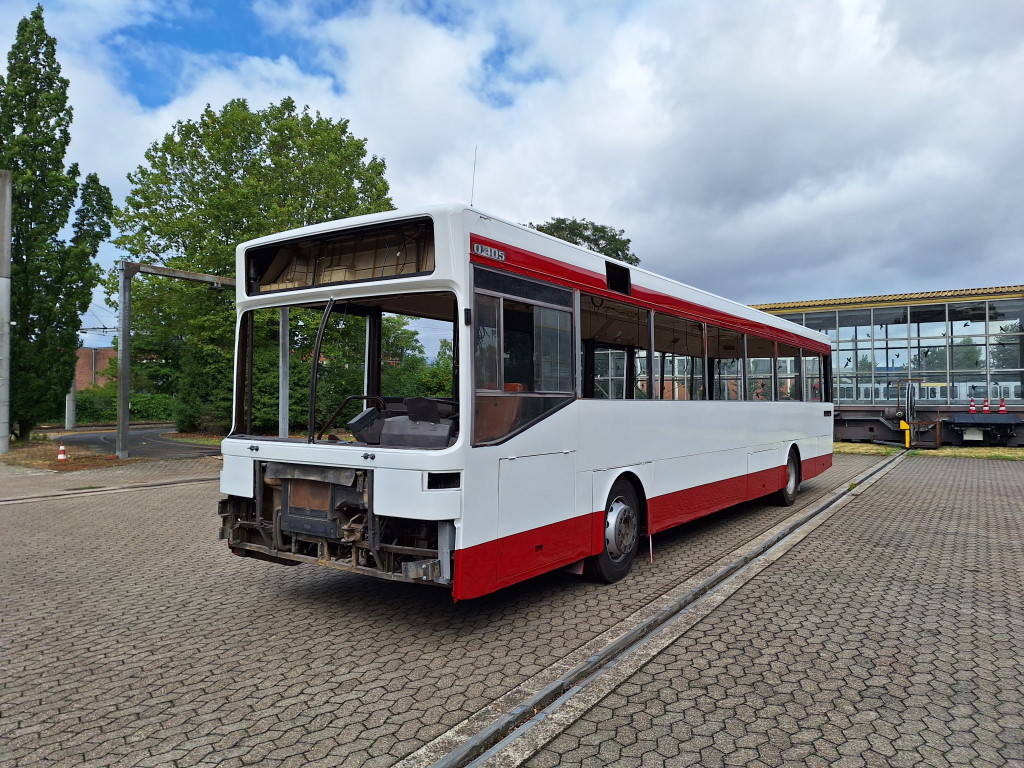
{"x": 814, "y": 466}
{"x": 724, "y": 483}
{"x": 475, "y": 571}
{"x": 672, "y": 509}
{"x": 479, "y": 570}
{"x": 522, "y": 513}
{"x": 533, "y": 490}
{"x": 765, "y": 472}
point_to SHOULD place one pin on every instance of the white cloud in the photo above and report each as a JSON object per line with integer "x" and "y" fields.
{"x": 760, "y": 151}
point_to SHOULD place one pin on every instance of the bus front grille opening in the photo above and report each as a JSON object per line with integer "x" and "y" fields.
{"x": 324, "y": 515}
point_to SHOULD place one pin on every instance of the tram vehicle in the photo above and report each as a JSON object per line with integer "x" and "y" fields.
{"x": 576, "y": 404}
{"x": 928, "y": 392}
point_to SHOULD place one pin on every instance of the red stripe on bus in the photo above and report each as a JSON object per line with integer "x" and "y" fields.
{"x": 539, "y": 267}
{"x": 813, "y": 467}
{"x": 487, "y": 567}
{"x": 492, "y": 565}
{"x": 673, "y": 509}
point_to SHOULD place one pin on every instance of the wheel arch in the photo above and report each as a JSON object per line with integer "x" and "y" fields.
{"x": 633, "y": 479}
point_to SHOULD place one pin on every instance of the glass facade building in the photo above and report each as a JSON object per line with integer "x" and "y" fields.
{"x": 955, "y": 344}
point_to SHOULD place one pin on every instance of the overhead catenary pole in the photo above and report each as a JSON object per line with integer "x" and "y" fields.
{"x": 126, "y": 271}
{"x": 5, "y": 311}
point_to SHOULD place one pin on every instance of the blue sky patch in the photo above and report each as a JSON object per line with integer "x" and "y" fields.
{"x": 154, "y": 55}
{"x": 502, "y": 71}
{"x": 449, "y": 14}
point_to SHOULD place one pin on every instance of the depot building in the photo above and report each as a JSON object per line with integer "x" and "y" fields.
{"x": 949, "y": 347}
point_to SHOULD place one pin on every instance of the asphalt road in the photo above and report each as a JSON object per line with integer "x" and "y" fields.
{"x": 143, "y": 442}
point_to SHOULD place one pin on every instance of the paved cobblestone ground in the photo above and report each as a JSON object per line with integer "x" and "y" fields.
{"x": 893, "y": 635}
{"x": 131, "y": 637}
{"x": 17, "y": 482}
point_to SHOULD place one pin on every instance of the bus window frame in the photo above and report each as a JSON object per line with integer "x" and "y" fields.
{"x": 501, "y": 386}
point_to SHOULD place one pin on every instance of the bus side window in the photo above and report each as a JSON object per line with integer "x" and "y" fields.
{"x": 787, "y": 368}
{"x": 615, "y": 349}
{"x": 725, "y": 355}
{"x": 678, "y": 358}
{"x": 760, "y": 366}
{"x": 813, "y": 378}
{"x": 523, "y": 360}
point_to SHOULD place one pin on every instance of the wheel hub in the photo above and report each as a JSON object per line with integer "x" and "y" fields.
{"x": 620, "y": 529}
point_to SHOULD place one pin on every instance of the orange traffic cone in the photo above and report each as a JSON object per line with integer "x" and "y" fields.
{"x": 972, "y": 409}
{"x": 61, "y": 456}
{"x": 1002, "y": 405}
{"x": 984, "y": 406}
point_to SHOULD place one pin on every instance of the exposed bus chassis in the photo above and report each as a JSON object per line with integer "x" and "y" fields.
{"x": 324, "y": 515}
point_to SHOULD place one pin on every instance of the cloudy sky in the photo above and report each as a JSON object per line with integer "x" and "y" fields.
{"x": 764, "y": 151}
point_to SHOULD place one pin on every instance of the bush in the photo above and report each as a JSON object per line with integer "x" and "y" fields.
{"x": 201, "y": 417}
{"x": 95, "y": 405}
{"x": 152, "y": 407}
{"x": 99, "y": 405}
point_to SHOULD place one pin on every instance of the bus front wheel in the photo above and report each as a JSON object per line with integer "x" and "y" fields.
{"x": 621, "y": 535}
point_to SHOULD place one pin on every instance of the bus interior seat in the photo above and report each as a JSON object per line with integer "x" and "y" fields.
{"x": 422, "y": 409}
{"x": 367, "y": 426}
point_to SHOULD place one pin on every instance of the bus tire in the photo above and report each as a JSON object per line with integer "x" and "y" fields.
{"x": 621, "y": 535}
{"x": 786, "y": 495}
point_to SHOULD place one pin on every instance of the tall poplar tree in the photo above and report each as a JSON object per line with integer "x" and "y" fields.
{"x": 51, "y": 279}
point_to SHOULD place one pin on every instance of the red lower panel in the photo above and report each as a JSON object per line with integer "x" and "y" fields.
{"x": 492, "y": 565}
{"x": 496, "y": 564}
{"x": 672, "y": 509}
{"x": 813, "y": 467}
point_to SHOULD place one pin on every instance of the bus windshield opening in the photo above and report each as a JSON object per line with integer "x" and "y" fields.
{"x": 380, "y": 370}
{"x": 396, "y": 249}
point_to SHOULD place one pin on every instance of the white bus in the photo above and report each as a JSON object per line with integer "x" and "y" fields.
{"x": 585, "y": 403}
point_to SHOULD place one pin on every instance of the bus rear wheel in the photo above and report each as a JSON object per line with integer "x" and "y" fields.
{"x": 621, "y": 535}
{"x": 787, "y": 494}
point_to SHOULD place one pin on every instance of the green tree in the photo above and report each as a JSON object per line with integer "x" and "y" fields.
{"x": 439, "y": 375}
{"x": 51, "y": 279}
{"x": 597, "y": 237}
{"x": 211, "y": 183}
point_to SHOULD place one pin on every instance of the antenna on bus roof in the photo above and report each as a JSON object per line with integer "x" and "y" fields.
{"x": 472, "y": 188}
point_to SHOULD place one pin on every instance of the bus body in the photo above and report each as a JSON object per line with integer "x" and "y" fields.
{"x": 591, "y": 403}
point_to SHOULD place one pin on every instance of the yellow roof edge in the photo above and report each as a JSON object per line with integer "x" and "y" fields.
{"x": 924, "y": 297}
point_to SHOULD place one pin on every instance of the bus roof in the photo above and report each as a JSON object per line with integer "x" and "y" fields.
{"x": 564, "y": 251}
